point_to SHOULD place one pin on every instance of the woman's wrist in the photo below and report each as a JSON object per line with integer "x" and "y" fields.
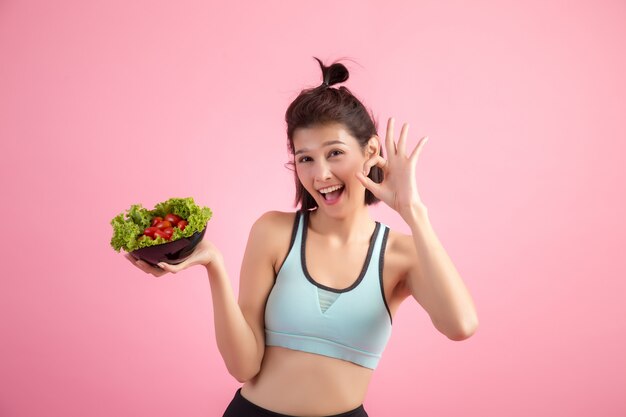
{"x": 215, "y": 265}
{"x": 414, "y": 213}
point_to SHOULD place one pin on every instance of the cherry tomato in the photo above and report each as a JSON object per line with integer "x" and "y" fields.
{"x": 172, "y": 218}
{"x": 181, "y": 224}
{"x": 169, "y": 231}
{"x": 149, "y": 231}
{"x": 161, "y": 233}
{"x": 162, "y": 225}
{"x": 156, "y": 220}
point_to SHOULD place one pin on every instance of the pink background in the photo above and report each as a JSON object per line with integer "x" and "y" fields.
{"x": 107, "y": 104}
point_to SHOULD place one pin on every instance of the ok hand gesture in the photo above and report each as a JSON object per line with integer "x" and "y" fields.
{"x": 398, "y": 189}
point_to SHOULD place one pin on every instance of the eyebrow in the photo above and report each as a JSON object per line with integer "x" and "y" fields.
{"x": 330, "y": 142}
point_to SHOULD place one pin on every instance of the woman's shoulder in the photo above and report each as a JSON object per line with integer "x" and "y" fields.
{"x": 275, "y": 220}
{"x": 276, "y": 230}
{"x": 400, "y": 244}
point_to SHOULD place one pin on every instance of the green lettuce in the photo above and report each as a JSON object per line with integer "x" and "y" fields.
{"x": 128, "y": 227}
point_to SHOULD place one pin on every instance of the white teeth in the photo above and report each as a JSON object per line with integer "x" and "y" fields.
{"x": 329, "y": 189}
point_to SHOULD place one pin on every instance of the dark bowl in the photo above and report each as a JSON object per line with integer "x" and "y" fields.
{"x": 171, "y": 252}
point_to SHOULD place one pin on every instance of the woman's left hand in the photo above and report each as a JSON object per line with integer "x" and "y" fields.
{"x": 398, "y": 189}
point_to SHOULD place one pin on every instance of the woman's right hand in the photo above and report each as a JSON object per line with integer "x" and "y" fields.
{"x": 204, "y": 254}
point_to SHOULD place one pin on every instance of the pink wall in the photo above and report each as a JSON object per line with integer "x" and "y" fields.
{"x": 106, "y": 104}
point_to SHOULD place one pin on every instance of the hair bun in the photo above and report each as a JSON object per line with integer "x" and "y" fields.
{"x": 336, "y": 73}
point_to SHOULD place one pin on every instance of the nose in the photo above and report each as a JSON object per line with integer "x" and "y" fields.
{"x": 322, "y": 172}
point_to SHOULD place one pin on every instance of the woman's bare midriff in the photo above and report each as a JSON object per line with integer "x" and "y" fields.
{"x": 304, "y": 384}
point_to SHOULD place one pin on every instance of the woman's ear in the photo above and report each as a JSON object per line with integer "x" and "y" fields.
{"x": 373, "y": 146}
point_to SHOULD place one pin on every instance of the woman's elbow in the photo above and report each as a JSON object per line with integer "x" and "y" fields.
{"x": 245, "y": 376}
{"x": 464, "y": 332}
{"x": 241, "y": 380}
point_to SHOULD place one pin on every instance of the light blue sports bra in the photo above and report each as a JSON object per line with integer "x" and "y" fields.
{"x": 352, "y": 324}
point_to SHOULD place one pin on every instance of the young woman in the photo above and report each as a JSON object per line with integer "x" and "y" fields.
{"x": 319, "y": 287}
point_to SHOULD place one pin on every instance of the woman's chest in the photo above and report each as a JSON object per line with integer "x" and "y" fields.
{"x": 345, "y": 267}
{"x": 336, "y": 266}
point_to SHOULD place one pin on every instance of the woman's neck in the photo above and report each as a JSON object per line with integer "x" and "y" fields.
{"x": 356, "y": 227}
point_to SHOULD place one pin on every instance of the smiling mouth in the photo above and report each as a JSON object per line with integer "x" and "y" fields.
{"x": 333, "y": 195}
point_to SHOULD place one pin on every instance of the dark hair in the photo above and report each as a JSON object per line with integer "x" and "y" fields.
{"x": 323, "y": 105}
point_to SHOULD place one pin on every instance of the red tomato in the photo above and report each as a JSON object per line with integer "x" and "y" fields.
{"x": 169, "y": 231}
{"x": 181, "y": 224}
{"x": 156, "y": 220}
{"x": 172, "y": 218}
{"x": 163, "y": 224}
{"x": 161, "y": 233}
{"x": 149, "y": 231}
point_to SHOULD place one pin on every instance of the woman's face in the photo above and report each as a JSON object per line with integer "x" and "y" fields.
{"x": 327, "y": 157}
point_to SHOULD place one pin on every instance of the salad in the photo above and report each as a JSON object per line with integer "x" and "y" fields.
{"x": 170, "y": 220}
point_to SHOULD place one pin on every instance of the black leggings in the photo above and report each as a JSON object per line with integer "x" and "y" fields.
{"x": 241, "y": 407}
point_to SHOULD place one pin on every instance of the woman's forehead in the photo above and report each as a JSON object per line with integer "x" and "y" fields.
{"x": 316, "y": 136}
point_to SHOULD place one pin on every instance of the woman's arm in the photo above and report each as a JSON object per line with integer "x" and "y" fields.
{"x": 432, "y": 278}
{"x": 239, "y": 325}
{"x": 235, "y": 338}
{"x": 435, "y": 283}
